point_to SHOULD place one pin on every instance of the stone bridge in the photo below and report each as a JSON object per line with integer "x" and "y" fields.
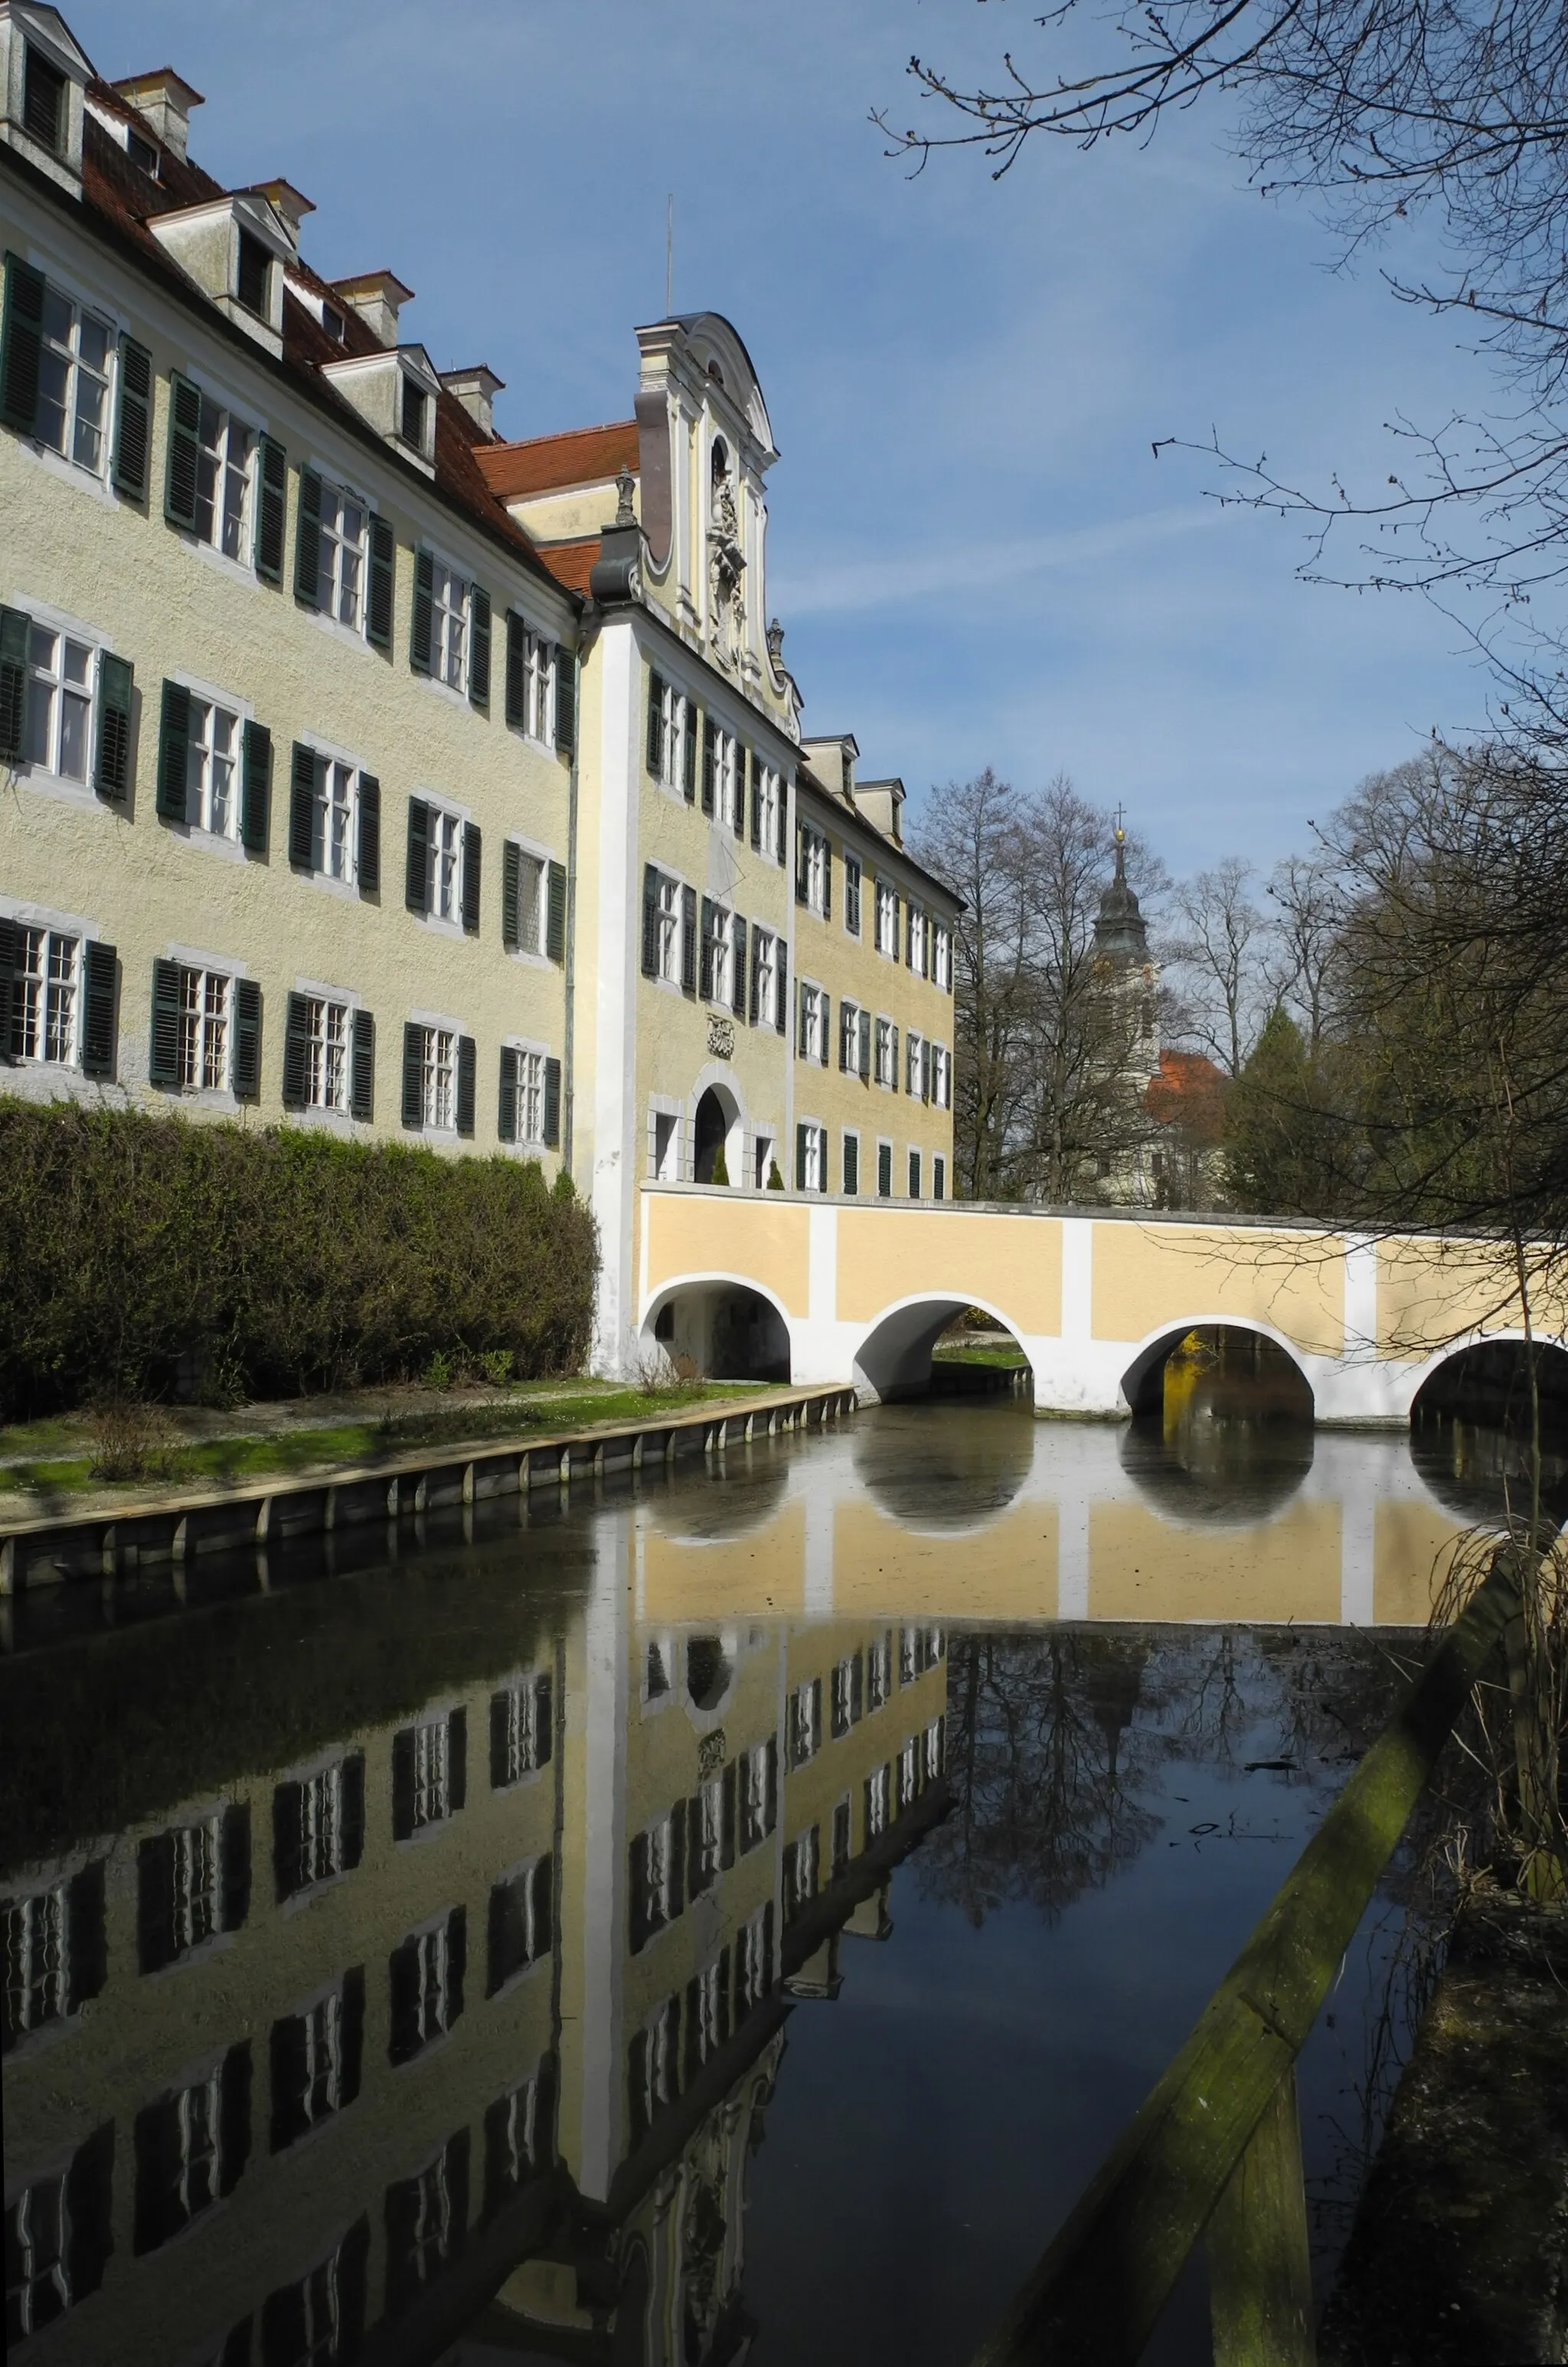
{"x": 843, "y": 1290}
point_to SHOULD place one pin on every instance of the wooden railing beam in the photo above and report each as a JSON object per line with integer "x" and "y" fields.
{"x": 1259, "y": 2255}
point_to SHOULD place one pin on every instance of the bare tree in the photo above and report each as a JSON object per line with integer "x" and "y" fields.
{"x": 1299, "y": 968}
{"x": 1219, "y": 951}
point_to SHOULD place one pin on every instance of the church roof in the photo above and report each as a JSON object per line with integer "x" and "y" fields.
{"x": 1120, "y": 932}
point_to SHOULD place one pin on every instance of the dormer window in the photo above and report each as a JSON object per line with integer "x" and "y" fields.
{"x": 415, "y": 406}
{"x": 334, "y": 323}
{"x": 141, "y": 153}
{"x": 43, "y": 101}
{"x": 395, "y": 393}
{"x": 252, "y": 283}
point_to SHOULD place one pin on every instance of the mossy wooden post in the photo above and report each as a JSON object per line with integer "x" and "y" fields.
{"x": 1259, "y": 2256}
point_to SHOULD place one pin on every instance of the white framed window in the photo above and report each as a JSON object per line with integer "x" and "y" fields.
{"x": 914, "y": 1048}
{"x": 813, "y": 1023}
{"x": 886, "y": 1054}
{"x": 530, "y": 1095}
{"x": 224, "y": 470}
{"x": 813, "y": 868}
{"x": 212, "y": 769}
{"x": 422, "y": 2230}
{"x": 678, "y": 715}
{"x": 45, "y": 995}
{"x": 908, "y": 1773}
{"x": 707, "y": 1837}
{"x": 721, "y": 956}
{"x": 770, "y": 813}
{"x": 942, "y": 1076}
{"x": 848, "y": 1683}
{"x": 340, "y": 574}
{"x": 196, "y": 1900}
{"x": 539, "y": 688}
{"x": 428, "y": 1998}
{"x": 754, "y": 1960}
{"x": 206, "y": 1030}
{"x": 708, "y": 2024}
{"x": 876, "y": 1803}
{"x": 38, "y": 2242}
{"x": 759, "y": 1792}
{"x": 886, "y": 919}
{"x": 803, "y": 1712}
{"x": 444, "y": 898}
{"x": 811, "y": 1158}
{"x": 326, "y": 1053}
{"x": 656, "y": 2066}
{"x": 320, "y": 2093}
{"x": 38, "y": 1960}
{"x": 430, "y": 1776}
{"x": 729, "y": 781}
{"x": 941, "y": 955}
{"x": 531, "y": 872}
{"x": 322, "y": 1841}
{"x": 520, "y": 1730}
{"x": 918, "y": 942}
{"x": 73, "y": 383}
{"x": 332, "y": 820}
{"x": 199, "y": 2178}
{"x": 60, "y": 703}
{"x": 851, "y": 893}
{"x": 765, "y": 961}
{"x": 878, "y": 1673}
{"x": 934, "y": 1750}
{"x": 802, "y": 1869}
{"x": 449, "y": 625}
{"x": 669, "y": 951}
{"x": 666, "y": 1152}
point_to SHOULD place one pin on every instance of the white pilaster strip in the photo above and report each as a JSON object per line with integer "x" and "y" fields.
{"x": 615, "y": 1066}
{"x": 1077, "y": 1278}
{"x": 822, "y": 1266}
{"x": 604, "y": 1793}
{"x": 1072, "y": 1551}
{"x": 819, "y": 1510}
{"x": 1357, "y": 1549}
{"x": 1361, "y": 1299}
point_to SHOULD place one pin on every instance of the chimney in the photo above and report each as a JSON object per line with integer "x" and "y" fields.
{"x": 164, "y": 99}
{"x": 378, "y": 297}
{"x": 287, "y": 204}
{"x": 476, "y": 389}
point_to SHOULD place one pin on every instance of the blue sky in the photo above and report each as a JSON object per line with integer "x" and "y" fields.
{"x": 975, "y": 554}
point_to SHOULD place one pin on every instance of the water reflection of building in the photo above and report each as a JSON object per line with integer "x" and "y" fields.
{"x": 475, "y": 2010}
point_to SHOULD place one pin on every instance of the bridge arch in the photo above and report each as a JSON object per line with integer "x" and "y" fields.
{"x": 1143, "y": 1376}
{"x": 894, "y": 1357}
{"x": 730, "y": 1326}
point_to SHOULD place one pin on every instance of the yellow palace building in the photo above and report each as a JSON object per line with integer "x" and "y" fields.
{"x": 364, "y": 770}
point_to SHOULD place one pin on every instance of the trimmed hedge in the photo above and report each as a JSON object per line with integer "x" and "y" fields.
{"x": 148, "y": 1256}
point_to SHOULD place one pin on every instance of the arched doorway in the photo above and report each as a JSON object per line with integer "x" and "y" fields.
{"x": 710, "y": 1131}
{"x": 722, "y": 1331}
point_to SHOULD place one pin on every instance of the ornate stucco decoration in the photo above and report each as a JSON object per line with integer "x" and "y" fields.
{"x": 721, "y": 1036}
{"x": 725, "y": 566}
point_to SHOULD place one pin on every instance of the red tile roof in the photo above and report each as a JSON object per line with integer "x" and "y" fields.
{"x": 124, "y": 197}
{"x": 571, "y": 563}
{"x": 1188, "y": 1088}
{"x": 583, "y": 455}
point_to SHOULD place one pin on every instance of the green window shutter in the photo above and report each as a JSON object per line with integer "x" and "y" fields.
{"x": 908, "y": 936}
{"x": 704, "y": 970}
{"x": 133, "y": 420}
{"x": 479, "y": 648}
{"x": 893, "y": 1081}
{"x": 99, "y": 970}
{"x": 800, "y": 843}
{"x": 552, "y": 1104}
{"x": 754, "y": 1005}
{"x": 173, "y": 751}
{"x": 737, "y": 965}
{"x": 846, "y": 1036}
{"x": 710, "y": 735}
{"x": 566, "y": 702}
{"x": 302, "y": 807}
{"x": 21, "y": 345}
{"x": 296, "y": 1052}
{"x": 465, "y": 1080}
{"x": 754, "y": 772}
{"x": 827, "y": 881}
{"x": 416, "y": 884}
{"x": 827, "y": 1025}
{"x": 182, "y": 466}
{"x": 688, "y": 940}
{"x": 800, "y": 1019}
{"x": 650, "y": 920}
{"x": 378, "y": 589}
{"x": 422, "y": 623}
{"x": 656, "y": 725}
{"x": 473, "y": 856}
{"x": 884, "y": 1170}
{"x": 114, "y": 687}
{"x": 163, "y": 1060}
{"x": 781, "y": 959}
{"x": 800, "y": 1134}
{"x": 516, "y": 671}
{"x": 272, "y": 493}
{"x": 852, "y": 1166}
{"x": 247, "y": 1040}
{"x": 367, "y": 835}
{"x": 362, "y": 1067}
{"x": 307, "y": 540}
{"x": 15, "y": 631}
{"x": 554, "y": 912}
{"x": 7, "y": 983}
{"x": 689, "y": 757}
{"x": 413, "y": 1076}
{"x": 511, "y": 893}
{"x": 506, "y": 1109}
{"x": 863, "y": 1063}
{"x": 255, "y": 785}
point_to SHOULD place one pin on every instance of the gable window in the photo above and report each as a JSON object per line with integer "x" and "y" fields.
{"x": 316, "y": 2061}
{"x": 58, "y": 703}
{"x": 43, "y": 99}
{"x": 428, "y": 1773}
{"x": 851, "y": 895}
{"x": 425, "y": 1980}
{"x": 759, "y": 1792}
{"x": 942, "y": 956}
{"x": 886, "y": 919}
{"x": 73, "y": 383}
{"x": 520, "y": 1921}
{"x": 520, "y": 1731}
{"x": 252, "y": 278}
{"x": 318, "y": 1826}
{"x": 412, "y": 412}
{"x": 813, "y": 871}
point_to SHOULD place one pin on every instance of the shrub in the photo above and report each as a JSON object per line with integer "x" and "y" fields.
{"x": 147, "y": 1257}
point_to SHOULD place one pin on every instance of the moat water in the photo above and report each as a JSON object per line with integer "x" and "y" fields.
{"x": 714, "y": 1917}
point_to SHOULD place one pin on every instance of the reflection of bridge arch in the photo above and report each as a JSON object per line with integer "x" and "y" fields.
{"x": 1140, "y": 1381}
